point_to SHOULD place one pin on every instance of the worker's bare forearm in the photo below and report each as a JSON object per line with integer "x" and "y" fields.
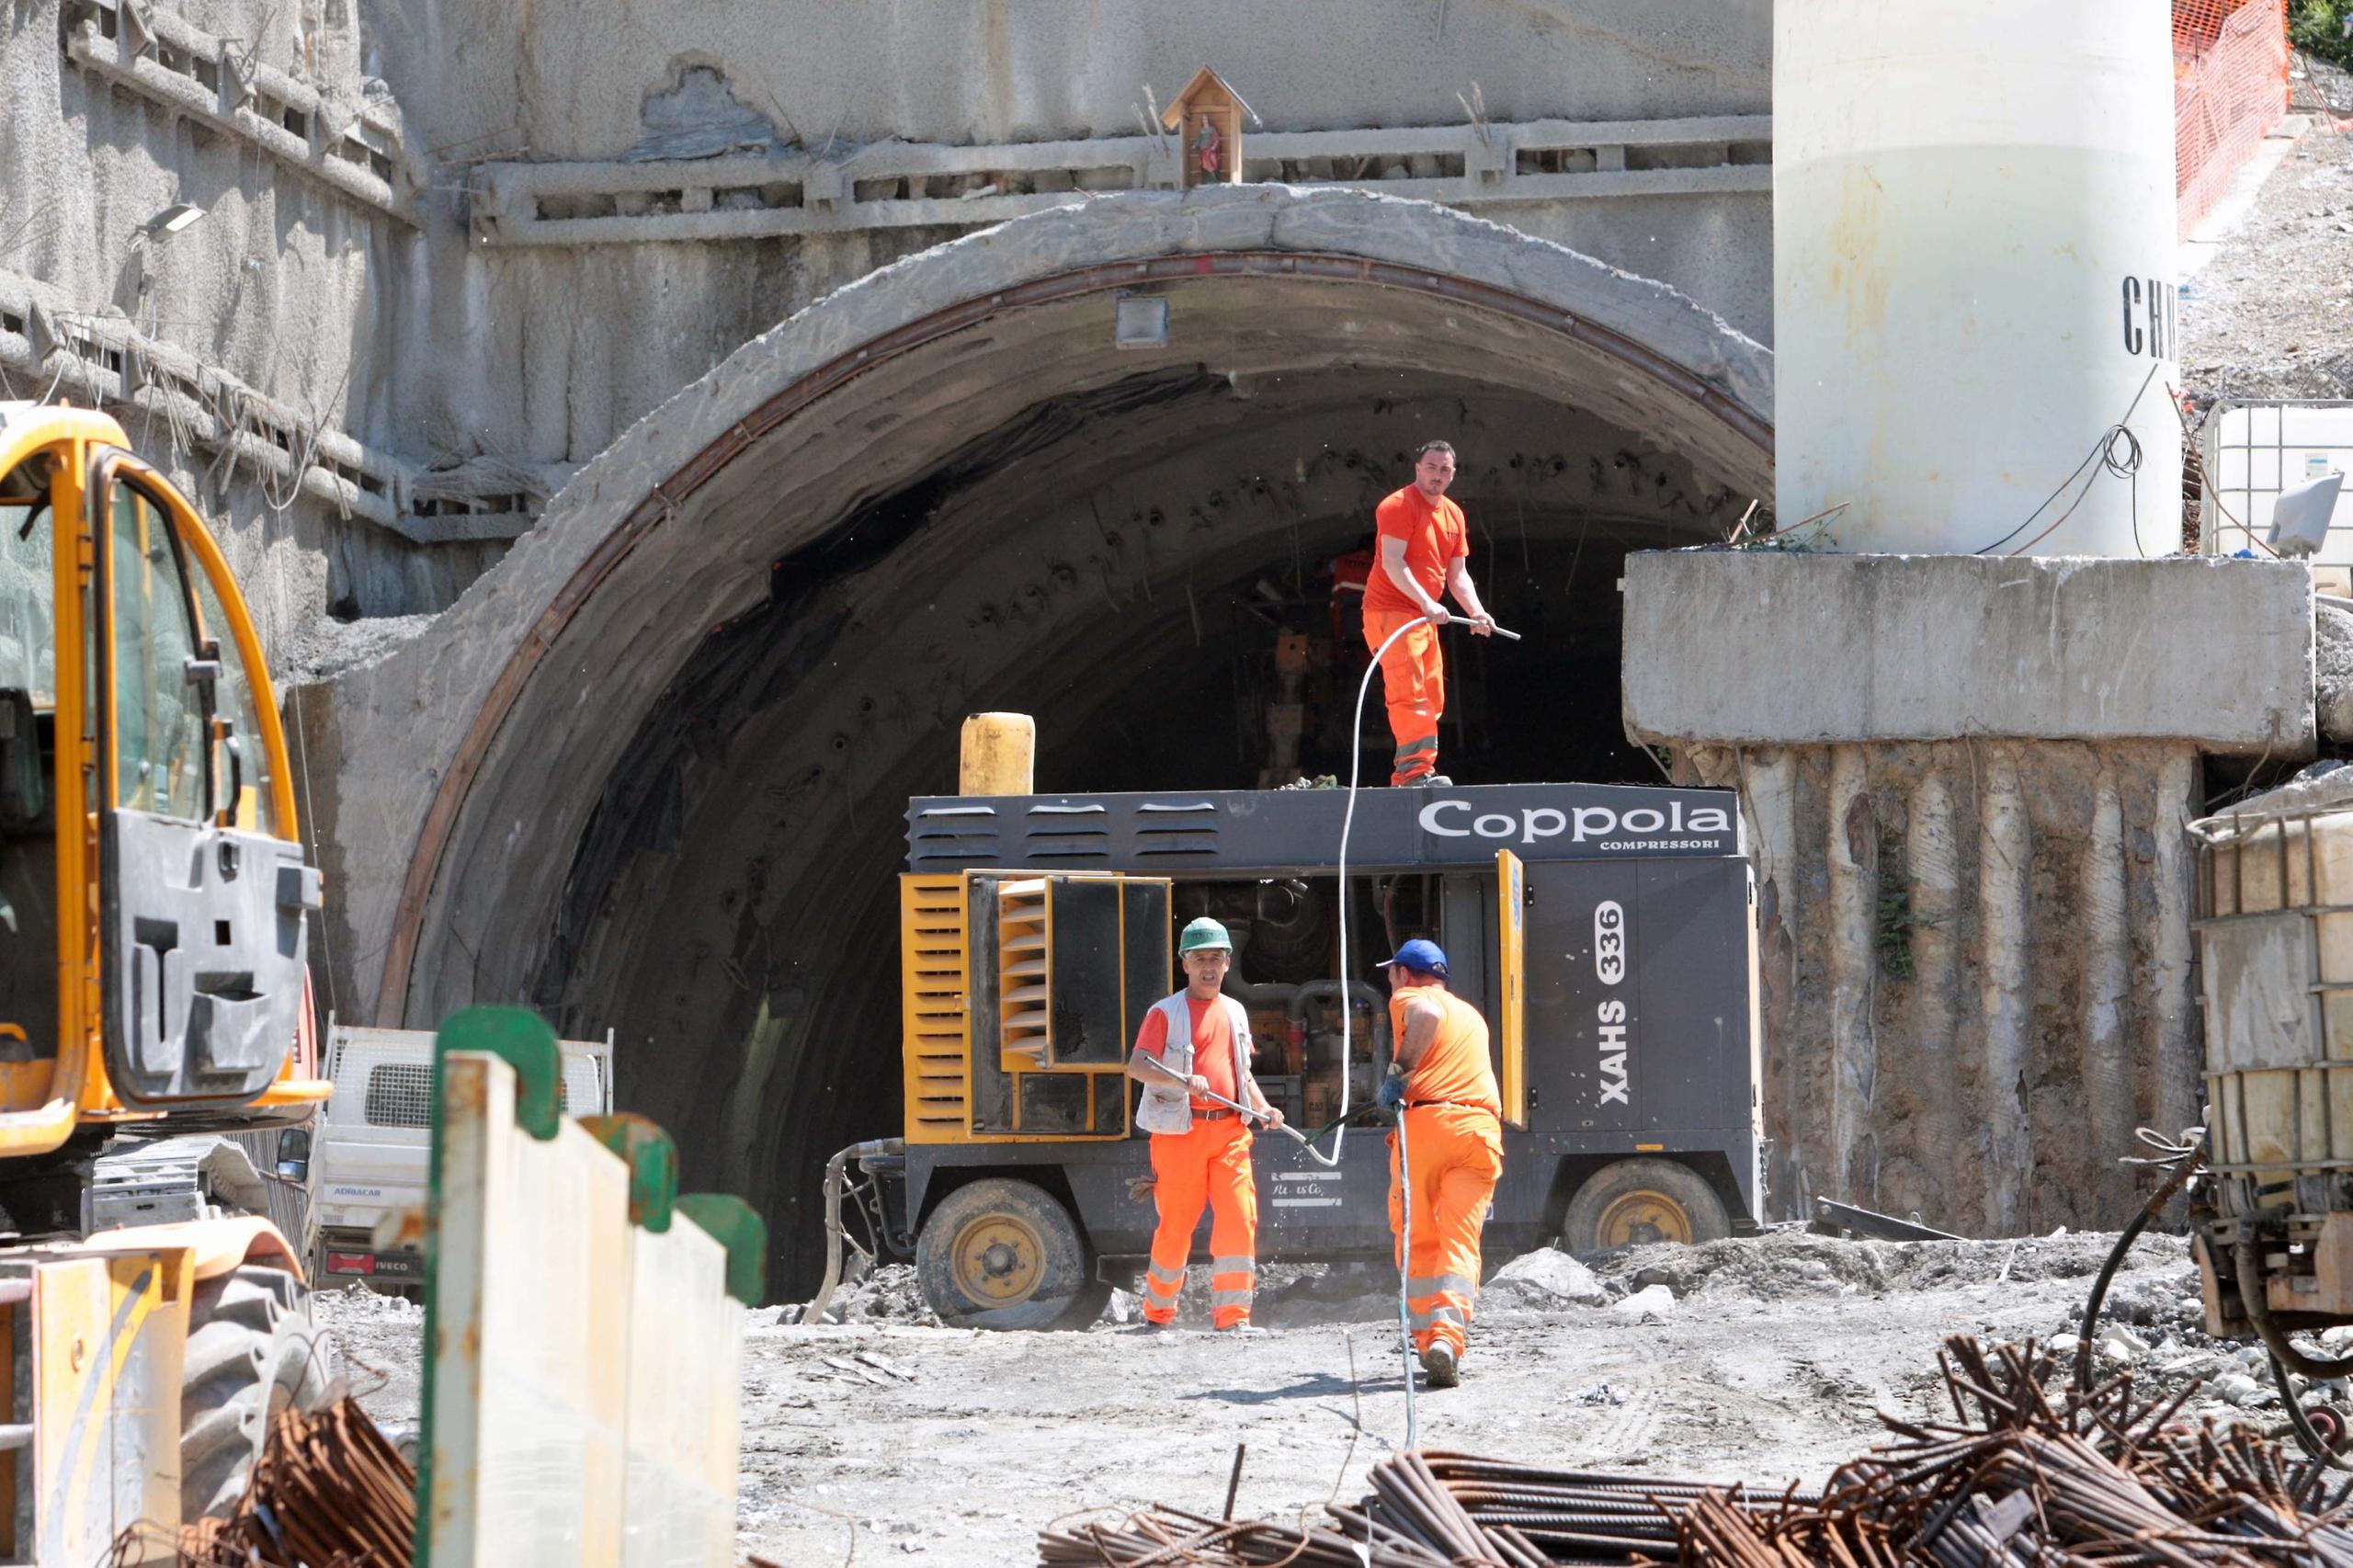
{"x": 1146, "y": 1069}
{"x": 1466, "y": 593}
{"x": 1392, "y": 561}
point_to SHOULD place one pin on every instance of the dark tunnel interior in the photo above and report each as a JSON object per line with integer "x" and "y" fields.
{"x": 1137, "y": 567}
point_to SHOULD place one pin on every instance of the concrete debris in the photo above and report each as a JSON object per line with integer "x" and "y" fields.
{"x": 322, "y": 648}
{"x": 1652, "y": 1303}
{"x": 1542, "y": 1280}
{"x": 2119, "y": 1342}
{"x": 2241, "y": 1390}
{"x": 887, "y": 1294}
{"x": 2333, "y": 670}
{"x": 1785, "y": 1264}
{"x": 855, "y": 1372}
{"x": 880, "y": 1365}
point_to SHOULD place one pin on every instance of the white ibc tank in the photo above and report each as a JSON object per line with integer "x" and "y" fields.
{"x": 1972, "y": 273}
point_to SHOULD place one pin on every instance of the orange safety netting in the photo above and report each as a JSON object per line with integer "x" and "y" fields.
{"x": 2230, "y": 76}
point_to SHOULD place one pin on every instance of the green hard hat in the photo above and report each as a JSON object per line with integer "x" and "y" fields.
{"x": 1203, "y": 933}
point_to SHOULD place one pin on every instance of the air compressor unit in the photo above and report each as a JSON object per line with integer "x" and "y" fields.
{"x": 1606, "y": 933}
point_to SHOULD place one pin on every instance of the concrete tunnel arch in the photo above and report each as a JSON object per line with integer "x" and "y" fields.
{"x": 661, "y": 779}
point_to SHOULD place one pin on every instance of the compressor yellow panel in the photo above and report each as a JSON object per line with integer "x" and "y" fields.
{"x": 1511, "y": 940}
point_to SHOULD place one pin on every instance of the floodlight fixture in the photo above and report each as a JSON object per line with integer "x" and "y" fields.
{"x": 173, "y": 218}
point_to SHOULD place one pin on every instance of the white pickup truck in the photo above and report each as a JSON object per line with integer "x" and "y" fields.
{"x": 372, "y": 1149}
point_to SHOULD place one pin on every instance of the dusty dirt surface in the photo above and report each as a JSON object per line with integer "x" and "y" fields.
{"x": 2272, "y": 314}
{"x": 1760, "y": 1360}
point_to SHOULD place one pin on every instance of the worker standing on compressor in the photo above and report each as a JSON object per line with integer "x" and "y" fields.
{"x": 1452, "y": 1116}
{"x": 1423, "y": 549}
{"x": 1198, "y": 1040}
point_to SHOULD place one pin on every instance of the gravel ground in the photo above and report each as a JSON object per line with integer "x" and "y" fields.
{"x": 1761, "y": 1360}
{"x": 2271, "y": 315}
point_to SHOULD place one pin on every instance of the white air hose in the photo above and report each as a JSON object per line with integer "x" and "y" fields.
{"x": 1348, "y": 1015}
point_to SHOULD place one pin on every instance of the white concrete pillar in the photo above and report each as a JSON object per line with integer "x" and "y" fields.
{"x": 1972, "y": 274}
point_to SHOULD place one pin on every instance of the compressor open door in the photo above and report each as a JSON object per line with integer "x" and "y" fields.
{"x": 1511, "y": 987}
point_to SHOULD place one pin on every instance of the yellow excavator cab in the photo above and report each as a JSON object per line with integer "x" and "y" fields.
{"x": 153, "y": 886}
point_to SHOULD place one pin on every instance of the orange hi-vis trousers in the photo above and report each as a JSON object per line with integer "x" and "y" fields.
{"x": 1457, "y": 1153}
{"x": 1209, "y": 1165}
{"x": 1413, "y": 682}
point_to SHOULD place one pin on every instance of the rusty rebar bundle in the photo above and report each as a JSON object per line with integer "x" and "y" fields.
{"x": 329, "y": 1491}
{"x": 1430, "y": 1510}
{"x": 2029, "y": 1474}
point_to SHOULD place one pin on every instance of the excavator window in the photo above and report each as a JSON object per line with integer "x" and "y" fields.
{"x": 232, "y": 699}
{"x": 158, "y": 705}
{"x": 29, "y": 1019}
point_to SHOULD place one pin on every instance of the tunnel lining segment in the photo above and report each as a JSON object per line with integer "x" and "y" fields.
{"x": 1671, "y": 350}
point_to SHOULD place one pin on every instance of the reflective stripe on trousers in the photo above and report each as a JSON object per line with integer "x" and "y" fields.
{"x": 1209, "y": 1166}
{"x": 1161, "y": 1286}
{"x": 1457, "y": 1157}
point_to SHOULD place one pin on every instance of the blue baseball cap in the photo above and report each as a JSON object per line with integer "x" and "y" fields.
{"x": 1421, "y": 955}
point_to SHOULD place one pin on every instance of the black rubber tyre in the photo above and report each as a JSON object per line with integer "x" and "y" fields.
{"x": 252, "y": 1352}
{"x": 1005, "y": 1254}
{"x": 1642, "y": 1201}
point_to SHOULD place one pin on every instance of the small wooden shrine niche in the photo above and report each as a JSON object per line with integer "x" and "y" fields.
{"x": 1207, "y": 118}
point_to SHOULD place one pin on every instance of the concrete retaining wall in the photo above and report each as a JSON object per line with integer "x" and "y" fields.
{"x": 1966, "y": 781}
{"x": 1764, "y": 647}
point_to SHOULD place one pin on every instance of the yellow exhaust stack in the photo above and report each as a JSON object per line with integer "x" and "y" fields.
{"x": 998, "y": 755}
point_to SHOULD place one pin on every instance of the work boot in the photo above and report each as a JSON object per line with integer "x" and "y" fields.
{"x": 1148, "y": 1326}
{"x": 1434, "y": 780}
{"x": 1246, "y": 1326}
{"x": 1438, "y": 1369}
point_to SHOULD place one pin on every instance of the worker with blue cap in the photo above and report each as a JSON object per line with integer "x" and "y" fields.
{"x": 1192, "y": 1056}
{"x": 1443, "y": 1088}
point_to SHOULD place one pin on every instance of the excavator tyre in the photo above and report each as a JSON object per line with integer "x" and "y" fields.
{"x": 252, "y": 1352}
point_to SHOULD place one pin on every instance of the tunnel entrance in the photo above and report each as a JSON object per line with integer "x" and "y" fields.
{"x": 1011, "y": 509}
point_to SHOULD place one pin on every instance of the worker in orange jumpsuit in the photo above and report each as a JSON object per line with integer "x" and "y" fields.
{"x": 1424, "y": 549}
{"x": 1193, "y": 1046}
{"x": 1449, "y": 1113}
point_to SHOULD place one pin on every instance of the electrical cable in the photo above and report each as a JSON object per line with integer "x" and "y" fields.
{"x": 2102, "y": 454}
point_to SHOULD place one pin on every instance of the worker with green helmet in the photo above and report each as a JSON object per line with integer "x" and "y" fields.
{"x": 1192, "y": 1053}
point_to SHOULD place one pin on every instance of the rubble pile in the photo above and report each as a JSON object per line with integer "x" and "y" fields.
{"x": 330, "y": 1488}
{"x": 889, "y": 1294}
{"x": 2028, "y": 1473}
{"x": 871, "y": 1294}
{"x": 1787, "y": 1264}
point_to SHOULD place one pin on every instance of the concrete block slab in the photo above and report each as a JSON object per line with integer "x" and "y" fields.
{"x": 1760, "y": 647}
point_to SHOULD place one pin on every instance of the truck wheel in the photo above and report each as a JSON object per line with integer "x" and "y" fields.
{"x": 252, "y": 1352}
{"x": 1642, "y": 1201}
{"x": 1003, "y": 1253}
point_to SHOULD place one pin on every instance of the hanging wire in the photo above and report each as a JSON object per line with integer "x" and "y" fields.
{"x": 2102, "y": 457}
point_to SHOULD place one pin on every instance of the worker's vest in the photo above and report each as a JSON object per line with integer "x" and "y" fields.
{"x": 1168, "y": 1107}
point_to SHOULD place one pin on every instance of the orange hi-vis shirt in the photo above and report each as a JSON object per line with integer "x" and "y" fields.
{"x": 1454, "y": 1070}
{"x": 1212, "y": 1047}
{"x": 1436, "y": 536}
